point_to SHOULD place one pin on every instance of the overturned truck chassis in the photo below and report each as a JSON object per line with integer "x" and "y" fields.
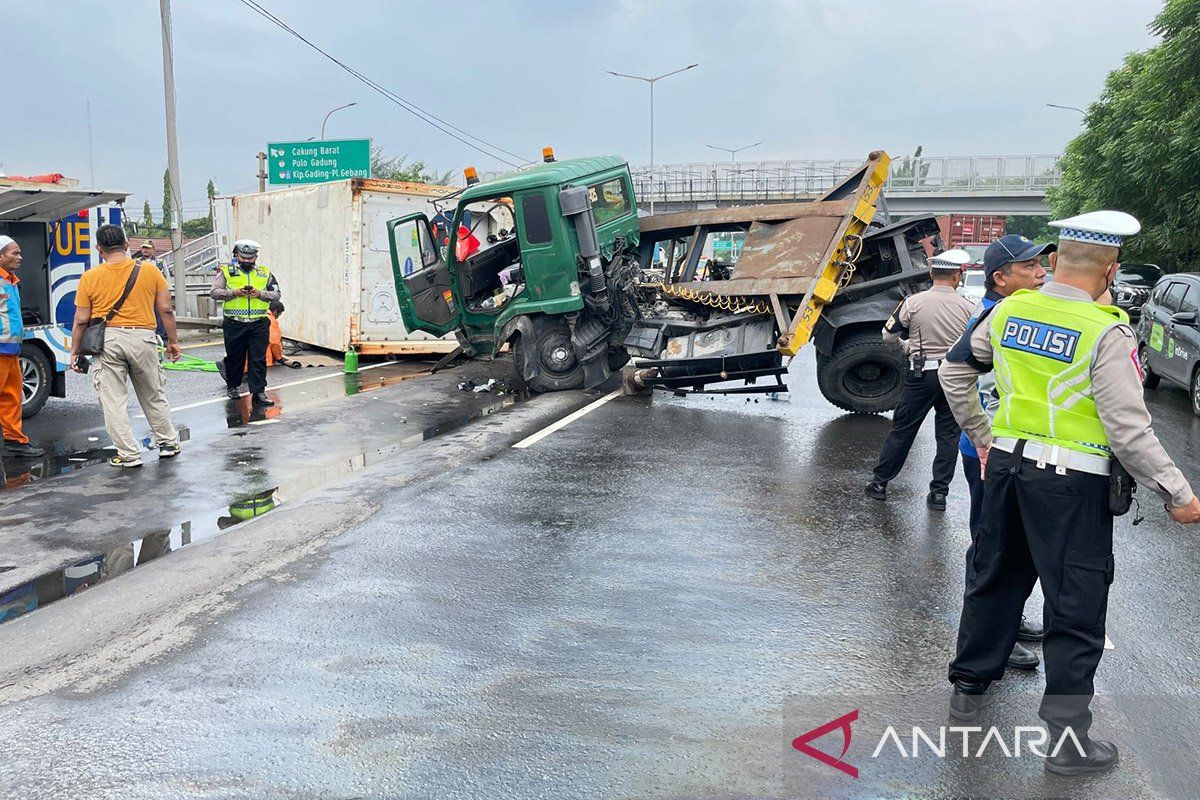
{"x": 720, "y": 323}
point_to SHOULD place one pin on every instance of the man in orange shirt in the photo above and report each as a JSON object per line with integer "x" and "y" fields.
{"x": 130, "y": 345}
{"x": 12, "y": 332}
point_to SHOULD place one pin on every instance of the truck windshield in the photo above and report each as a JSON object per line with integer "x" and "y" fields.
{"x": 609, "y": 200}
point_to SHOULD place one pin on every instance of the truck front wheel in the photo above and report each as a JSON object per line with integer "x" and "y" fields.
{"x": 862, "y": 375}
{"x": 36, "y": 375}
{"x": 547, "y": 361}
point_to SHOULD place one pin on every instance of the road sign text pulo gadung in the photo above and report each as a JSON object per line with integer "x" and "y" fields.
{"x": 314, "y": 162}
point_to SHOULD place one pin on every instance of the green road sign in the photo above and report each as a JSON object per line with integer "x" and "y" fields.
{"x": 316, "y": 162}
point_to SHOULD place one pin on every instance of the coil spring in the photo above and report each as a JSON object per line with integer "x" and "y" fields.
{"x": 730, "y": 303}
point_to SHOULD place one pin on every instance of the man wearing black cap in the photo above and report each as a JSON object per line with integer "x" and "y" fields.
{"x": 1010, "y": 263}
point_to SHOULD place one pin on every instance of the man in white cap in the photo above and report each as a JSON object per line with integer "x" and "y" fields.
{"x": 247, "y": 290}
{"x": 925, "y": 325}
{"x": 1070, "y": 408}
{"x": 12, "y": 333}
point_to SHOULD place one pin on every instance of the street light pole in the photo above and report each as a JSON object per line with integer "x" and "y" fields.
{"x": 1067, "y": 108}
{"x": 652, "y": 81}
{"x": 327, "y": 116}
{"x": 164, "y": 8}
{"x": 733, "y": 151}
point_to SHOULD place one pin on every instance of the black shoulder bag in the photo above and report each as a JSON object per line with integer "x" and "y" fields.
{"x": 91, "y": 343}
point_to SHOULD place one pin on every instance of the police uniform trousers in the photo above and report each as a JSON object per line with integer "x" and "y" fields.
{"x": 1039, "y": 524}
{"x": 918, "y": 397}
{"x": 244, "y": 339}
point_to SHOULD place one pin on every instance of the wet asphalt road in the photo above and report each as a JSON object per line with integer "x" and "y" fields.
{"x": 651, "y": 602}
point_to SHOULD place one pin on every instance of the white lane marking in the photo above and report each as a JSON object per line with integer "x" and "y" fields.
{"x": 187, "y": 406}
{"x": 565, "y": 421}
{"x": 1108, "y": 643}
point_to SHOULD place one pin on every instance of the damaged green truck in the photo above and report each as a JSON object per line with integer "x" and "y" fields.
{"x": 554, "y": 261}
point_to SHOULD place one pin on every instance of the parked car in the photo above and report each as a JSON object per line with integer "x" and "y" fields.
{"x": 1169, "y": 335}
{"x": 1132, "y": 286}
{"x": 972, "y": 286}
{"x": 975, "y": 251}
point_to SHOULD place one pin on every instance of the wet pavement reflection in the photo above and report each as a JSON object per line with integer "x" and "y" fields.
{"x": 99, "y": 567}
{"x": 61, "y": 583}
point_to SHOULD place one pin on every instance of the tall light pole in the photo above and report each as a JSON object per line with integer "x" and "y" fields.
{"x": 1066, "y": 108}
{"x": 733, "y": 151}
{"x": 652, "y": 81}
{"x": 164, "y": 9}
{"x": 327, "y": 116}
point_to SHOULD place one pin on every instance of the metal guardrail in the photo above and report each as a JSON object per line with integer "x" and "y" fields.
{"x": 781, "y": 180}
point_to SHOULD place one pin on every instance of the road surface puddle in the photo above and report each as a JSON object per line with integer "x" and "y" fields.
{"x": 125, "y": 556}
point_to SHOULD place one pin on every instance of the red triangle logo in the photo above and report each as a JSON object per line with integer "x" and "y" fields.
{"x": 801, "y": 743}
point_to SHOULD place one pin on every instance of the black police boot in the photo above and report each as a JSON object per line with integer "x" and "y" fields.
{"x": 968, "y": 700}
{"x": 234, "y": 393}
{"x": 261, "y": 399}
{"x": 876, "y": 490}
{"x": 936, "y": 501}
{"x": 1022, "y": 657}
{"x": 1030, "y": 631}
{"x": 1101, "y": 755}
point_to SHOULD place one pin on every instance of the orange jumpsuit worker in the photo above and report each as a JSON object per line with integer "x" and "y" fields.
{"x": 275, "y": 342}
{"x": 12, "y": 332}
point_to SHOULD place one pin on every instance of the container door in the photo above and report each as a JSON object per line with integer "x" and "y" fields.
{"x": 423, "y": 289}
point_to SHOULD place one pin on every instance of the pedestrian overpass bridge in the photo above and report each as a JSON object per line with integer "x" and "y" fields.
{"x": 1000, "y": 185}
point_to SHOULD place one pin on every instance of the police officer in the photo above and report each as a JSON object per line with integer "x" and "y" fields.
{"x": 925, "y": 324}
{"x": 247, "y": 290}
{"x": 1010, "y": 263}
{"x": 1070, "y": 409}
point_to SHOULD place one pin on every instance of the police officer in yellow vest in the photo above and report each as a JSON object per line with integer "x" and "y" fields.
{"x": 1071, "y": 416}
{"x": 247, "y": 290}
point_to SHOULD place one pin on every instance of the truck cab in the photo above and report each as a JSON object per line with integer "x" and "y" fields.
{"x": 528, "y": 259}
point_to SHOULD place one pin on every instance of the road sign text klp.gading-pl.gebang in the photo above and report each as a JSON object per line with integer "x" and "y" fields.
{"x": 315, "y": 162}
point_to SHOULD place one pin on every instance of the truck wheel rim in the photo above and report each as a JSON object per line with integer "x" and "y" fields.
{"x": 29, "y": 380}
{"x": 557, "y": 356}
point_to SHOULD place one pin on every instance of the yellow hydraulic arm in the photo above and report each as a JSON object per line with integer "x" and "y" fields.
{"x": 839, "y": 263}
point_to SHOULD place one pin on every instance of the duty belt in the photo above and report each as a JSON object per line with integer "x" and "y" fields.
{"x": 1061, "y": 458}
{"x": 932, "y": 364}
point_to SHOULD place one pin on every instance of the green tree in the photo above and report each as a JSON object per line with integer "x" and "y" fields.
{"x": 199, "y": 226}
{"x": 166, "y": 204}
{"x": 147, "y": 217}
{"x": 911, "y": 171}
{"x": 1036, "y": 228}
{"x": 211, "y": 191}
{"x": 394, "y": 168}
{"x": 1140, "y": 151}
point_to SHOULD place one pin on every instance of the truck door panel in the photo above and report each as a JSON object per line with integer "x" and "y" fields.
{"x": 423, "y": 286}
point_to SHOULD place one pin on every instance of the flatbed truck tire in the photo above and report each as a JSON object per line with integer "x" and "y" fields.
{"x": 862, "y": 375}
{"x": 37, "y": 375}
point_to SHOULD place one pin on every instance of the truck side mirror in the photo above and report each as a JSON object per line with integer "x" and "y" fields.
{"x": 1186, "y": 318}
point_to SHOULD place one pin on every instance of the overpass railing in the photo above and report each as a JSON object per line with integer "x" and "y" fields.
{"x": 781, "y": 180}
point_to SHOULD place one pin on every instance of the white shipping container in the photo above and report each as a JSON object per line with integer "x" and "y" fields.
{"x": 327, "y": 245}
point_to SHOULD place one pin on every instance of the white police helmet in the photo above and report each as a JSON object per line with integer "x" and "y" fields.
{"x": 246, "y": 247}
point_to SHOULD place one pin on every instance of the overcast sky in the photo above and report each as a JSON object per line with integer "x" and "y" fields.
{"x": 810, "y": 78}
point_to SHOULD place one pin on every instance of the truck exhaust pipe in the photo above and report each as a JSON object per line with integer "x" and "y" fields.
{"x": 577, "y": 205}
